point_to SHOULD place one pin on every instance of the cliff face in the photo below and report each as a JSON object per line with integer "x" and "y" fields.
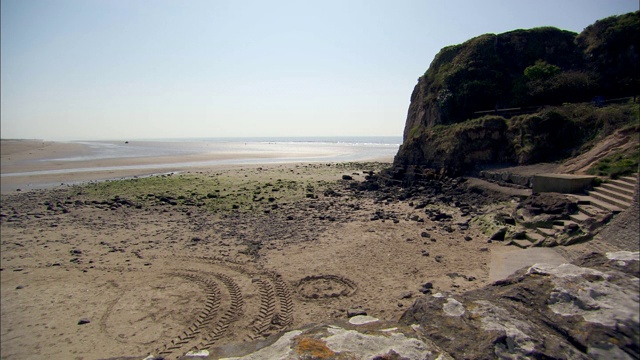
{"x": 524, "y": 69}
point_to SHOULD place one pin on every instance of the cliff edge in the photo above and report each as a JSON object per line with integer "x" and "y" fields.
{"x": 523, "y": 97}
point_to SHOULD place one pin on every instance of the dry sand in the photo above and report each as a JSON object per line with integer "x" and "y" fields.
{"x": 164, "y": 279}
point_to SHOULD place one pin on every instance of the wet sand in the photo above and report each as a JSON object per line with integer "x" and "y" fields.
{"x": 35, "y": 164}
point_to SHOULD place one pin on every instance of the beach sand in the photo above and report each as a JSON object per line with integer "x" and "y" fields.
{"x": 243, "y": 253}
{"x": 34, "y": 164}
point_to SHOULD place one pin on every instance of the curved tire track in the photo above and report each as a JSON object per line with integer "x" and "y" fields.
{"x": 202, "y": 320}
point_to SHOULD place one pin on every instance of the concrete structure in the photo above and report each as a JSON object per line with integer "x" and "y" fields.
{"x": 562, "y": 183}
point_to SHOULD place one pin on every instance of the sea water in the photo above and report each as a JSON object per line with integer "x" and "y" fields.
{"x": 255, "y": 150}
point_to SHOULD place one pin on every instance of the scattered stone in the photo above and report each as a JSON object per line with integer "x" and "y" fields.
{"x": 19, "y": 287}
{"x": 83, "y": 321}
{"x": 499, "y": 235}
{"x": 468, "y": 238}
{"x": 406, "y": 295}
{"x": 355, "y": 312}
{"x": 362, "y": 319}
{"x": 425, "y": 234}
{"x": 439, "y": 258}
{"x": 426, "y": 288}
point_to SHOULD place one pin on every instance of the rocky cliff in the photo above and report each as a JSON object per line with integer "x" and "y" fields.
{"x": 498, "y": 98}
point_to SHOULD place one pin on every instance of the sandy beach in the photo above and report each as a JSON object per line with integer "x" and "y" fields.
{"x": 34, "y": 164}
{"x": 217, "y": 257}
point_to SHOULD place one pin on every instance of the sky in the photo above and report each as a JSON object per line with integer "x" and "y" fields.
{"x": 145, "y": 69}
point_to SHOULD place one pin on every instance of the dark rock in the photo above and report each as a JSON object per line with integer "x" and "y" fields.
{"x": 355, "y": 312}
{"x": 468, "y": 238}
{"x": 347, "y": 177}
{"x": 406, "y": 295}
{"x": 426, "y": 288}
{"x": 499, "y": 235}
{"x": 83, "y": 321}
{"x": 425, "y": 234}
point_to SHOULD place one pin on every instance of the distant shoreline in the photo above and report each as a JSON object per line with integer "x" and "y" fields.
{"x": 35, "y": 164}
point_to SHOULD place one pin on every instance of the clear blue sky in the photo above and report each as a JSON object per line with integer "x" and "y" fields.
{"x": 131, "y": 69}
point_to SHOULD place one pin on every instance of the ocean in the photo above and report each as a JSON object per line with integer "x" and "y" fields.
{"x": 253, "y": 150}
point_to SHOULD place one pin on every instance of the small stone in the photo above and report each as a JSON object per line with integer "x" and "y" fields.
{"x": 439, "y": 258}
{"x": 468, "y": 238}
{"x": 425, "y": 234}
{"x": 355, "y": 312}
{"x": 19, "y": 287}
{"x": 499, "y": 235}
{"x": 83, "y": 321}
{"x": 426, "y": 288}
{"x": 406, "y": 295}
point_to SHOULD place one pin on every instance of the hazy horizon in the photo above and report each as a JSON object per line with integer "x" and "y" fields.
{"x": 122, "y": 70}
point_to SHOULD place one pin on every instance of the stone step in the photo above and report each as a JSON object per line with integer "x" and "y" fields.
{"x": 533, "y": 237}
{"x": 581, "y": 217}
{"x": 589, "y": 210}
{"x": 544, "y": 232}
{"x": 618, "y": 189}
{"x": 592, "y": 206}
{"x": 521, "y": 243}
{"x": 631, "y": 179}
{"x": 587, "y": 204}
{"x": 614, "y": 194}
{"x": 630, "y": 185}
{"x": 609, "y": 200}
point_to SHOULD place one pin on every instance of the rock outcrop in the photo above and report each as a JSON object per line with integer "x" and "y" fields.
{"x": 587, "y": 310}
{"x": 507, "y": 82}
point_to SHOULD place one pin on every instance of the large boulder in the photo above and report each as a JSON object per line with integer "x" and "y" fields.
{"x": 585, "y": 310}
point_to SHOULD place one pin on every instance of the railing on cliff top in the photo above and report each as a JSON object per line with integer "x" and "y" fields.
{"x": 509, "y": 112}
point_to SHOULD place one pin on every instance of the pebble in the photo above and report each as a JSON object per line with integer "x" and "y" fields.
{"x": 355, "y": 312}
{"x": 83, "y": 321}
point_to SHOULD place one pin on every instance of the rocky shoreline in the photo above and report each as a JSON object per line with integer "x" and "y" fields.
{"x": 268, "y": 250}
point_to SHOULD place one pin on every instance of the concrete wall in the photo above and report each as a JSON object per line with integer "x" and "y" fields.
{"x": 562, "y": 183}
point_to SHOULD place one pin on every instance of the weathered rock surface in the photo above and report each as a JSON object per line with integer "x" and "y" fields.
{"x": 586, "y": 310}
{"x": 368, "y": 340}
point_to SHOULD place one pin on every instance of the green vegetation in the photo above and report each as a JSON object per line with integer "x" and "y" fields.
{"x": 242, "y": 190}
{"x": 617, "y": 165}
{"x": 541, "y": 66}
{"x": 537, "y": 85}
{"x": 215, "y": 193}
{"x": 552, "y": 134}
